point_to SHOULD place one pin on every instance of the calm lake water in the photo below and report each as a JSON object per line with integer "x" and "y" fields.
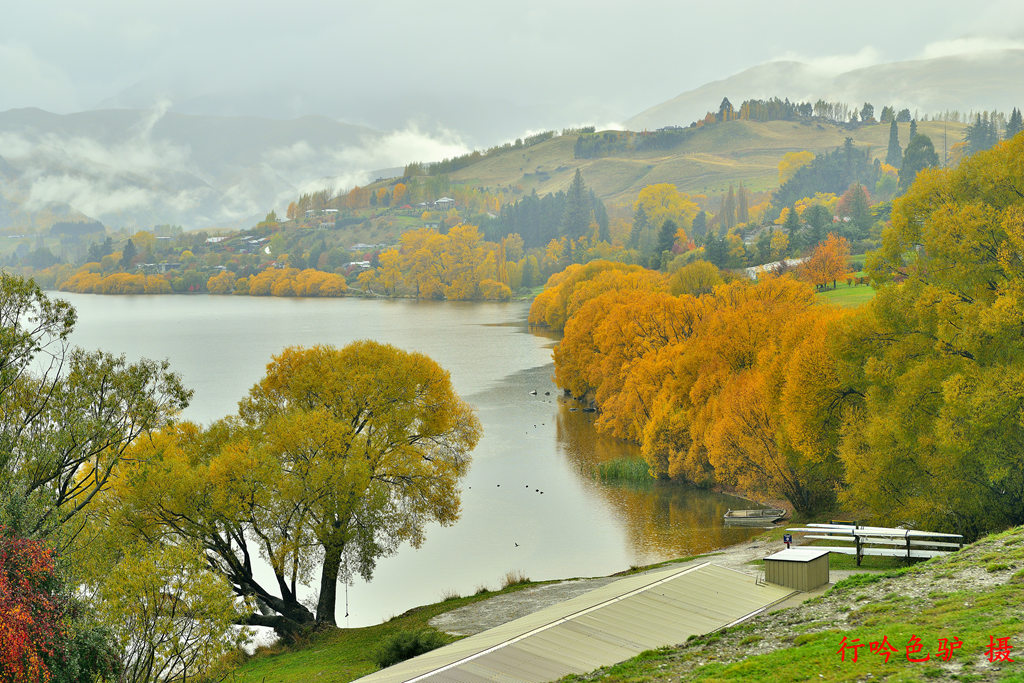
{"x": 578, "y": 527}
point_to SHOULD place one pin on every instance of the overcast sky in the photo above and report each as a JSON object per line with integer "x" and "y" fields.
{"x": 446, "y": 63}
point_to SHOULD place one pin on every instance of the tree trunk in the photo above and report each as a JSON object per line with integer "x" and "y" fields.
{"x": 328, "y": 589}
{"x": 285, "y": 628}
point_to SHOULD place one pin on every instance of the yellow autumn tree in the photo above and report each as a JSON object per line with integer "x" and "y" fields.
{"x": 791, "y": 163}
{"x": 335, "y": 459}
{"x": 827, "y": 262}
{"x": 663, "y": 202}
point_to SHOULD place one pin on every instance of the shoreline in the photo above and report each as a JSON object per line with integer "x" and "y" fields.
{"x": 497, "y": 610}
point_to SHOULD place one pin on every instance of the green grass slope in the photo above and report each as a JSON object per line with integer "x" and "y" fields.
{"x": 345, "y": 654}
{"x": 848, "y": 296}
{"x": 706, "y": 163}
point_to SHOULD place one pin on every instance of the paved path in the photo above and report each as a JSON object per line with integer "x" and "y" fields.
{"x": 486, "y": 614}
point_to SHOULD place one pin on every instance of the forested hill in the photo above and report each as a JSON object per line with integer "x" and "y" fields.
{"x": 704, "y": 160}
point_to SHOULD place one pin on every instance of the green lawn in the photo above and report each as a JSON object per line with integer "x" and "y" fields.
{"x": 846, "y": 296}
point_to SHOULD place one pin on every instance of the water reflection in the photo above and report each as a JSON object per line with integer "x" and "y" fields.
{"x": 660, "y": 519}
{"x": 533, "y": 441}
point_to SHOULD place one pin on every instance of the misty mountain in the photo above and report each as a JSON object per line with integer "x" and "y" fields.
{"x": 139, "y": 168}
{"x": 482, "y": 118}
{"x": 985, "y": 80}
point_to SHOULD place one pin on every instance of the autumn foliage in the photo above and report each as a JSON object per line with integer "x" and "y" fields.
{"x": 906, "y": 410}
{"x": 567, "y": 291}
{"x": 827, "y": 262}
{"x": 700, "y": 381}
{"x": 30, "y": 615}
{"x": 87, "y": 282}
{"x": 457, "y": 266}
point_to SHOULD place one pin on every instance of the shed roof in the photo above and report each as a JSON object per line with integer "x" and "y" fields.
{"x": 604, "y": 626}
{"x": 798, "y": 554}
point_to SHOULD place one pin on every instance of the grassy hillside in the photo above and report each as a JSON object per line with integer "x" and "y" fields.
{"x": 346, "y": 654}
{"x": 975, "y": 595}
{"x": 706, "y": 163}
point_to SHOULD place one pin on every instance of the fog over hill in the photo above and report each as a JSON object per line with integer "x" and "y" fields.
{"x": 973, "y": 81}
{"x": 131, "y": 167}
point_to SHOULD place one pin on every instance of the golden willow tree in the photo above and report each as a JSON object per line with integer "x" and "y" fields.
{"x": 909, "y": 408}
{"x": 701, "y": 381}
{"x": 936, "y": 361}
{"x": 336, "y": 457}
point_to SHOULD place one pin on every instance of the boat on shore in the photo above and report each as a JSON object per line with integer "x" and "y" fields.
{"x": 757, "y": 517}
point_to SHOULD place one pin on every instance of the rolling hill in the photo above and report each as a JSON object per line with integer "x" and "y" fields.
{"x": 707, "y": 162}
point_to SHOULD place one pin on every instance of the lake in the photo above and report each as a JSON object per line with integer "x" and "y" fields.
{"x": 577, "y": 527}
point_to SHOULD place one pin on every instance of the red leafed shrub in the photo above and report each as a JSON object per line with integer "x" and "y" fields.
{"x": 30, "y": 615}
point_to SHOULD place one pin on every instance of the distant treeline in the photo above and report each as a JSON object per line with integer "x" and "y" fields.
{"x": 456, "y": 163}
{"x": 540, "y": 219}
{"x": 609, "y": 142}
{"x": 831, "y": 172}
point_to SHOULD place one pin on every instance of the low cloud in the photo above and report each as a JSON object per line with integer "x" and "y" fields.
{"x": 343, "y": 168}
{"x": 143, "y": 179}
{"x": 968, "y": 46}
{"x": 833, "y": 65}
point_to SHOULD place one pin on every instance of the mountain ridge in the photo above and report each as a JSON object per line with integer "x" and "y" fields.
{"x": 984, "y": 80}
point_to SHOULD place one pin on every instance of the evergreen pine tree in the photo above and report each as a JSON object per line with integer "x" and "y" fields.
{"x": 714, "y": 249}
{"x": 792, "y": 225}
{"x": 666, "y": 240}
{"x": 699, "y": 227}
{"x": 640, "y": 224}
{"x": 1014, "y": 125}
{"x": 981, "y": 134}
{"x": 601, "y": 217}
{"x": 920, "y": 154}
{"x": 729, "y": 209}
{"x": 578, "y": 209}
{"x": 860, "y": 213}
{"x": 818, "y": 218}
{"x": 764, "y": 246}
{"x": 725, "y": 110}
{"x": 894, "y": 157}
{"x": 127, "y": 254}
{"x": 913, "y": 130}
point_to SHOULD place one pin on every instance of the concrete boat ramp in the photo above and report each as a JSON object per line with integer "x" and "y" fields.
{"x": 607, "y": 625}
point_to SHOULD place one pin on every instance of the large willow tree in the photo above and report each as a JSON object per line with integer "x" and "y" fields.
{"x": 336, "y": 457}
{"x": 936, "y": 436}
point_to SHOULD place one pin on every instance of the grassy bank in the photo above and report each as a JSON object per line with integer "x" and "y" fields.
{"x": 626, "y": 470}
{"x": 346, "y": 654}
{"x": 975, "y": 596}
